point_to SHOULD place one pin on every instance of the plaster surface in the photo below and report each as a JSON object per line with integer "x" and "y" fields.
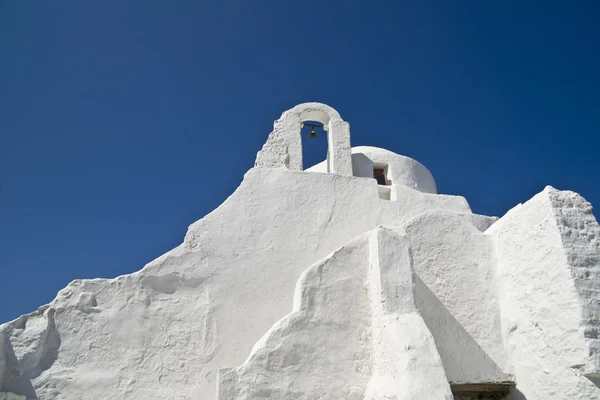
{"x": 354, "y": 333}
{"x": 547, "y": 270}
{"x": 306, "y": 285}
{"x": 455, "y": 264}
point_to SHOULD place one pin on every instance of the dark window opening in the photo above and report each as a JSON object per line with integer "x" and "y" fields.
{"x": 379, "y": 175}
{"x": 483, "y": 391}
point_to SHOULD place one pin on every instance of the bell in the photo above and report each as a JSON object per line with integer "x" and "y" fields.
{"x": 312, "y": 134}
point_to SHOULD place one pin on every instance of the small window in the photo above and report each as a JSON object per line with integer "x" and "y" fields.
{"x": 379, "y": 175}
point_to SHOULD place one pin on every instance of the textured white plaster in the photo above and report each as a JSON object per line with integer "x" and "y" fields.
{"x": 354, "y": 333}
{"x": 171, "y": 326}
{"x": 406, "y": 363}
{"x": 580, "y": 234}
{"x": 545, "y": 300}
{"x": 401, "y": 170}
{"x": 3, "y": 355}
{"x": 456, "y": 262}
{"x": 321, "y": 349}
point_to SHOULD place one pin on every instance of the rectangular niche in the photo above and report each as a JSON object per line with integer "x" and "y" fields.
{"x": 380, "y": 173}
{"x": 385, "y": 192}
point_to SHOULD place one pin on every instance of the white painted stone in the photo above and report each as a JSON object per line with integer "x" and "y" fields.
{"x": 354, "y": 333}
{"x": 406, "y": 363}
{"x": 547, "y": 274}
{"x": 455, "y": 264}
{"x": 401, "y": 170}
{"x": 436, "y": 295}
{"x": 3, "y": 355}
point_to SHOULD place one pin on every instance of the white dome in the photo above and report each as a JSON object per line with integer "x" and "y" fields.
{"x": 401, "y": 170}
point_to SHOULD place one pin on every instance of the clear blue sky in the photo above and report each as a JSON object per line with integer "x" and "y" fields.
{"x": 122, "y": 122}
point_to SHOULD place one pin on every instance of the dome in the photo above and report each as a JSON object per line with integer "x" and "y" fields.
{"x": 399, "y": 170}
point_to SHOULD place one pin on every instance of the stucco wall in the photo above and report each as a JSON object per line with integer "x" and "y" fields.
{"x": 344, "y": 338}
{"x": 543, "y": 301}
{"x": 130, "y": 337}
{"x": 455, "y": 261}
{"x": 402, "y": 170}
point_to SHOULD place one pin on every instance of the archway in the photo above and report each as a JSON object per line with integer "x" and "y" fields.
{"x": 314, "y": 144}
{"x": 284, "y": 145}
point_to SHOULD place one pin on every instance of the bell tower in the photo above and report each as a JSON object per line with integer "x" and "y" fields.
{"x": 283, "y": 148}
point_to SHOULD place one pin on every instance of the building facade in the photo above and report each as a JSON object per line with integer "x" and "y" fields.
{"x": 352, "y": 279}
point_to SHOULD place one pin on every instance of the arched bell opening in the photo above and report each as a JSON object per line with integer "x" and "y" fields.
{"x": 314, "y": 140}
{"x": 321, "y": 124}
{"x": 284, "y": 147}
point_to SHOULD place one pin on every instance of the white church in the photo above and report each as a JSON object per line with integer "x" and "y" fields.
{"x": 382, "y": 289}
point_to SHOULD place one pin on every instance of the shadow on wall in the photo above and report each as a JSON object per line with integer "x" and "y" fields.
{"x": 595, "y": 379}
{"x": 362, "y": 165}
{"x": 40, "y": 356}
{"x": 463, "y": 359}
{"x": 14, "y": 381}
{"x": 517, "y": 395}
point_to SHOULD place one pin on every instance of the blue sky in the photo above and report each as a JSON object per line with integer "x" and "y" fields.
{"x": 122, "y": 122}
